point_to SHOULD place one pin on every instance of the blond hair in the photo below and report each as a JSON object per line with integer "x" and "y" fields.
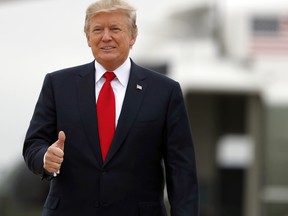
{"x": 109, "y": 6}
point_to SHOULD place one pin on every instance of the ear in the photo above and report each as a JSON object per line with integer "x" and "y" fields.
{"x": 88, "y": 39}
{"x": 132, "y": 41}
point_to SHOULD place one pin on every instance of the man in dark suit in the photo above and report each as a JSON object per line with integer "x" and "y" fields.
{"x": 115, "y": 164}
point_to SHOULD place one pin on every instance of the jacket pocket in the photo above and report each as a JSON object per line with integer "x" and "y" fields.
{"x": 51, "y": 202}
{"x": 151, "y": 209}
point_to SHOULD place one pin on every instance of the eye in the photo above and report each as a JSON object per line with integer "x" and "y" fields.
{"x": 116, "y": 29}
{"x": 97, "y": 30}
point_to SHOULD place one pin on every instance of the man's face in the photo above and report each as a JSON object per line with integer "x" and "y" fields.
{"x": 110, "y": 39}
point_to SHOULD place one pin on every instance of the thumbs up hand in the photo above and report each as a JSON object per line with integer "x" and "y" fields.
{"x": 61, "y": 140}
{"x": 55, "y": 154}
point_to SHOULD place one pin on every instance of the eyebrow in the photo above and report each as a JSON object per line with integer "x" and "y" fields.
{"x": 112, "y": 25}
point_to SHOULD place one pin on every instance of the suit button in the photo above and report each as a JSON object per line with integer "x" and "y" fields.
{"x": 103, "y": 172}
{"x": 97, "y": 204}
{"x": 104, "y": 203}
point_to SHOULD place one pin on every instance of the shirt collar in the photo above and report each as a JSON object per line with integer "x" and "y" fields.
{"x": 122, "y": 73}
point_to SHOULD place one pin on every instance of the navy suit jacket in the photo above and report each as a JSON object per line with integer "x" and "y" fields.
{"x": 152, "y": 145}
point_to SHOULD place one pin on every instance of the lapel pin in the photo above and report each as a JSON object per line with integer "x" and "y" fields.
{"x": 139, "y": 87}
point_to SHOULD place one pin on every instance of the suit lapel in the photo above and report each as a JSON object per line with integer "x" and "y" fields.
{"x": 133, "y": 98}
{"x": 87, "y": 106}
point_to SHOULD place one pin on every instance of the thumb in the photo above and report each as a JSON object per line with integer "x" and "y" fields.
{"x": 61, "y": 140}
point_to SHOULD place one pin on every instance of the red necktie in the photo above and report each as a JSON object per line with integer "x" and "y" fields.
{"x": 106, "y": 114}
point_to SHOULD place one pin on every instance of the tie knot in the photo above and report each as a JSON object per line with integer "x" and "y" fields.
{"x": 109, "y": 76}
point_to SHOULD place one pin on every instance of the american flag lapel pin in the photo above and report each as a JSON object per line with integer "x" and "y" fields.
{"x": 138, "y": 87}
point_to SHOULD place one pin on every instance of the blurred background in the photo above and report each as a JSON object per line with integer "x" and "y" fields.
{"x": 231, "y": 59}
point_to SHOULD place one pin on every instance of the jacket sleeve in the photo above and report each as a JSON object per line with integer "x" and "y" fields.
{"x": 42, "y": 130}
{"x": 180, "y": 165}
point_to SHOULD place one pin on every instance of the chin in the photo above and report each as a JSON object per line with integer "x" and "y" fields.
{"x": 108, "y": 56}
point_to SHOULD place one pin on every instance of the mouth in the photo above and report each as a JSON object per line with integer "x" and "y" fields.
{"x": 107, "y": 48}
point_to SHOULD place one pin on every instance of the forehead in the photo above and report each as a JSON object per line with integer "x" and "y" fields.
{"x": 109, "y": 18}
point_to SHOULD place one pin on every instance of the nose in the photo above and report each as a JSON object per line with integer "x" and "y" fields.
{"x": 106, "y": 35}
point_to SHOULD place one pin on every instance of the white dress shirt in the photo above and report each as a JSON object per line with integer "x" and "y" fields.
{"x": 119, "y": 84}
